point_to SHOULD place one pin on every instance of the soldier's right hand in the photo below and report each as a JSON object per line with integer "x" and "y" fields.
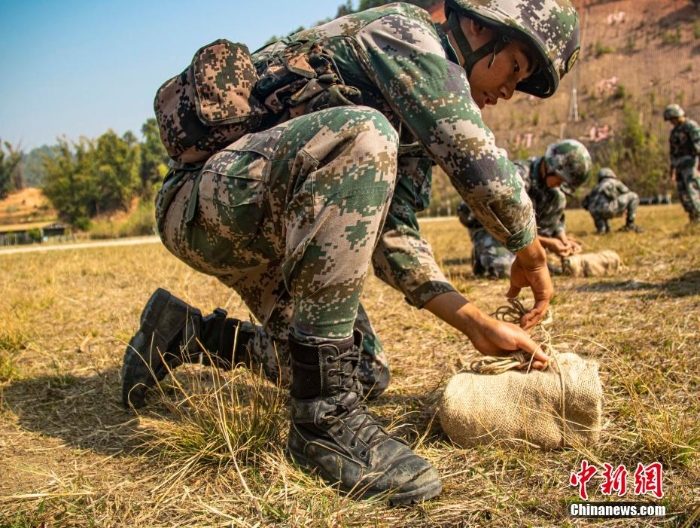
{"x": 529, "y": 270}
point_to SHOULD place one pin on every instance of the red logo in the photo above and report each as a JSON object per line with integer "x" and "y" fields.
{"x": 647, "y": 479}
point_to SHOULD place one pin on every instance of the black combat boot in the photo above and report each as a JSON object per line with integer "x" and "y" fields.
{"x": 170, "y": 333}
{"x": 334, "y": 433}
{"x": 373, "y": 375}
{"x": 602, "y": 227}
{"x": 632, "y": 227}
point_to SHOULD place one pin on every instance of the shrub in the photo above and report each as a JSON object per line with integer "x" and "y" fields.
{"x": 599, "y": 49}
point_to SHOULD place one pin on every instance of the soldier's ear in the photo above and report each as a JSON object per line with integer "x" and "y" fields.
{"x": 472, "y": 27}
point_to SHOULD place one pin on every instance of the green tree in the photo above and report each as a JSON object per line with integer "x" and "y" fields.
{"x": 154, "y": 159}
{"x": 67, "y": 181}
{"x": 637, "y": 154}
{"x": 33, "y": 165}
{"x": 92, "y": 177}
{"x": 10, "y": 171}
{"x": 117, "y": 162}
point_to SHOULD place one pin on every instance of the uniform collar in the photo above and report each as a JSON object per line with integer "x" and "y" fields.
{"x": 449, "y": 50}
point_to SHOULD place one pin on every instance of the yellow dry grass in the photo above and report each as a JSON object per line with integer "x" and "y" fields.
{"x": 70, "y": 455}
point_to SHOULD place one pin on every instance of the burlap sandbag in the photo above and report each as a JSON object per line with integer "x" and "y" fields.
{"x": 599, "y": 264}
{"x": 514, "y": 406}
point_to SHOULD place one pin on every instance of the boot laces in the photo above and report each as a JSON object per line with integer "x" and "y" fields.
{"x": 350, "y": 411}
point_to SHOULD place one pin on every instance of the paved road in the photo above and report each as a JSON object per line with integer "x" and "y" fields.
{"x": 13, "y": 250}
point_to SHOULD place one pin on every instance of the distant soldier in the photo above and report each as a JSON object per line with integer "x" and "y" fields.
{"x": 610, "y": 198}
{"x": 685, "y": 150}
{"x": 564, "y": 164}
{"x": 489, "y": 257}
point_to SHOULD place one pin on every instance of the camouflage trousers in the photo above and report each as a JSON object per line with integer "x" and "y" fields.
{"x": 688, "y": 185}
{"x": 289, "y": 218}
{"x": 628, "y": 202}
{"x": 489, "y": 256}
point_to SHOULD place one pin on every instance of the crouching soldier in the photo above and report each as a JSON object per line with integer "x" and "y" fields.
{"x": 610, "y": 198}
{"x": 291, "y": 216}
{"x": 564, "y": 163}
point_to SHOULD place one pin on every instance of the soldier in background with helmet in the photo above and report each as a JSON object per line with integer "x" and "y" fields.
{"x": 685, "y": 153}
{"x": 291, "y": 217}
{"x": 610, "y": 198}
{"x": 564, "y": 164}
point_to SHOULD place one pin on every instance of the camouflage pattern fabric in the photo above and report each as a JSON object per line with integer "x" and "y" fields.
{"x": 685, "y": 153}
{"x": 549, "y": 203}
{"x": 491, "y": 258}
{"x": 405, "y": 68}
{"x": 290, "y": 217}
{"x": 208, "y": 105}
{"x": 610, "y": 198}
{"x": 570, "y": 160}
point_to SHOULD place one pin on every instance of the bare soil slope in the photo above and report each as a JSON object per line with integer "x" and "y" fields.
{"x": 27, "y": 206}
{"x": 646, "y": 50}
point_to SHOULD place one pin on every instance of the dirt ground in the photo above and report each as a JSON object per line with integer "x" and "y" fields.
{"x": 71, "y": 455}
{"x": 25, "y": 208}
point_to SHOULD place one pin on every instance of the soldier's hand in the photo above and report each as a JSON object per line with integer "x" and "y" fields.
{"x": 529, "y": 270}
{"x": 497, "y": 338}
{"x": 489, "y": 336}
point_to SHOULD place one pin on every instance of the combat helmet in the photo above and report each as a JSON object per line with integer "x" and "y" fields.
{"x": 552, "y": 31}
{"x": 570, "y": 160}
{"x": 673, "y": 111}
{"x": 606, "y": 172}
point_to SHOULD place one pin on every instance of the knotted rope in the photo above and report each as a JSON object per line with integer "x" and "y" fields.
{"x": 512, "y": 313}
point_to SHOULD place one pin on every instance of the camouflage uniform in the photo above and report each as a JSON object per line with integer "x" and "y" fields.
{"x": 291, "y": 213}
{"x": 685, "y": 158}
{"x": 491, "y": 258}
{"x": 608, "y": 199}
{"x": 291, "y": 216}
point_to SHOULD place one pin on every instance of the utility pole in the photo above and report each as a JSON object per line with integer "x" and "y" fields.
{"x": 573, "y": 109}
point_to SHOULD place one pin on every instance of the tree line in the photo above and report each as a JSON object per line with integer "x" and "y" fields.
{"x": 90, "y": 177}
{"x": 85, "y": 178}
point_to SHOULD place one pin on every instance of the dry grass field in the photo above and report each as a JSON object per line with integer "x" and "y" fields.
{"x": 201, "y": 455}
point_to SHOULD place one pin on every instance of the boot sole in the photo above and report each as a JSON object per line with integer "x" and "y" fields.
{"x": 425, "y": 492}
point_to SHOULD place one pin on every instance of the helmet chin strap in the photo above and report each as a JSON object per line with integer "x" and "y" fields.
{"x": 471, "y": 56}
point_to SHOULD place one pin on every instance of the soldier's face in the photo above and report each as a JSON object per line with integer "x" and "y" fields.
{"x": 553, "y": 181}
{"x": 494, "y": 78}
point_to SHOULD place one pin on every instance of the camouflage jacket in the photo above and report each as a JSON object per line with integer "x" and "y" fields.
{"x": 405, "y": 67}
{"x": 549, "y": 203}
{"x": 684, "y": 144}
{"x": 606, "y": 191}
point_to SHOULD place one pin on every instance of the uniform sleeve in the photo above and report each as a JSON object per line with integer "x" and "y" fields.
{"x": 430, "y": 95}
{"x": 550, "y": 216}
{"x": 622, "y": 188}
{"x": 608, "y": 190}
{"x": 403, "y": 258}
{"x": 695, "y": 139}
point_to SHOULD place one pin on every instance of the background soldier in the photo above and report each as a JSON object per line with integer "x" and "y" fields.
{"x": 291, "y": 216}
{"x": 610, "y": 198}
{"x": 685, "y": 150}
{"x": 565, "y": 163}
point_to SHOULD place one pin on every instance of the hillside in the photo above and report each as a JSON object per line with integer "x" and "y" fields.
{"x": 25, "y": 209}
{"x": 640, "y": 53}
{"x": 645, "y": 50}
